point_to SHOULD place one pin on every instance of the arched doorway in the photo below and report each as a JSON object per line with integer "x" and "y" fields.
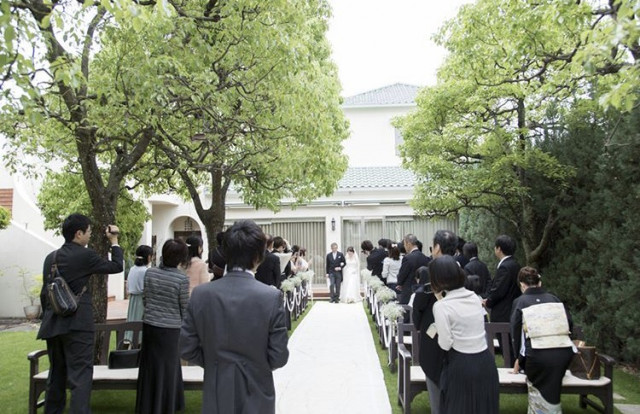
{"x": 185, "y": 226}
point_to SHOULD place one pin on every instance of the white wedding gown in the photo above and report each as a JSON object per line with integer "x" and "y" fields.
{"x": 350, "y": 288}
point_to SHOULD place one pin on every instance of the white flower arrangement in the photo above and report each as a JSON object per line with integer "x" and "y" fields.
{"x": 287, "y": 285}
{"x": 384, "y": 295}
{"x": 392, "y": 311}
{"x": 306, "y": 276}
{"x": 297, "y": 280}
{"x": 376, "y": 283}
{"x": 366, "y": 275}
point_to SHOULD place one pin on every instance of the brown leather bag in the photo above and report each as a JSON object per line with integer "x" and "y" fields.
{"x": 585, "y": 363}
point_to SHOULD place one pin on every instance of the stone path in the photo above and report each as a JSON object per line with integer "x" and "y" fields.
{"x": 333, "y": 366}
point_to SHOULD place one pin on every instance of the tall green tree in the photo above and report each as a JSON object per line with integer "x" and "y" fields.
{"x": 475, "y": 137}
{"x": 595, "y": 254}
{"x": 56, "y": 108}
{"x": 261, "y": 114}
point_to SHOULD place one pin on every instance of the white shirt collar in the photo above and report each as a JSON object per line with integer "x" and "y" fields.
{"x": 503, "y": 259}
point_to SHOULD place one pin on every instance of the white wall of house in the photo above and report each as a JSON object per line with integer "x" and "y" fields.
{"x": 372, "y": 141}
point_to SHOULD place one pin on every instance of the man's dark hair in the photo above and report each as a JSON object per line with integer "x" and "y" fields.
{"x": 174, "y": 253}
{"x": 447, "y": 240}
{"x": 279, "y": 242}
{"x": 461, "y": 243}
{"x": 244, "y": 244}
{"x": 194, "y": 243}
{"x": 470, "y": 250}
{"x": 72, "y": 224}
{"x": 366, "y": 246}
{"x": 446, "y": 274}
{"x": 386, "y": 243}
{"x": 506, "y": 244}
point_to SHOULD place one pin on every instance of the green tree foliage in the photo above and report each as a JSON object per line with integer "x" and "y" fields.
{"x": 260, "y": 114}
{"x": 5, "y": 218}
{"x": 513, "y": 71}
{"x": 63, "y": 193}
{"x": 56, "y": 108}
{"x": 595, "y": 257}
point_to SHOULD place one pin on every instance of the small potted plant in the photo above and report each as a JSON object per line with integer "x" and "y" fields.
{"x": 31, "y": 286}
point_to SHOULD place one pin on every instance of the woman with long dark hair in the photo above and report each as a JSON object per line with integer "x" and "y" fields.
{"x": 166, "y": 295}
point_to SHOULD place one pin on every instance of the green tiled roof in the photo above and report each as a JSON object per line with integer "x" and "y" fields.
{"x": 377, "y": 177}
{"x": 396, "y": 94}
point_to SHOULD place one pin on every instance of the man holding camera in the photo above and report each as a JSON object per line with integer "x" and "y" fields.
{"x": 70, "y": 338}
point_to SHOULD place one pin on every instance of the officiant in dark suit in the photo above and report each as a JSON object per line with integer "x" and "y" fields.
{"x": 235, "y": 329}
{"x": 335, "y": 264}
{"x": 70, "y": 338}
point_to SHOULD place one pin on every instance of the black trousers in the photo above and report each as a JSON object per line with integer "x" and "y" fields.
{"x": 71, "y": 363}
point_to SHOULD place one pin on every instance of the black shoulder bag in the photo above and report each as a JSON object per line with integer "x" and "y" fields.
{"x": 60, "y": 296}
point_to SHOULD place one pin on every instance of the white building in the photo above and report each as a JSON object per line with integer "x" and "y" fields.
{"x": 371, "y": 202}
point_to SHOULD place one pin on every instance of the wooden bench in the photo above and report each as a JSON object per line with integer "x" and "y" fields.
{"x": 412, "y": 380}
{"x": 103, "y": 377}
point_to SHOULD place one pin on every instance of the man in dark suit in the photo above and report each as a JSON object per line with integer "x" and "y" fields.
{"x": 235, "y": 329}
{"x": 70, "y": 338}
{"x": 335, "y": 264}
{"x": 504, "y": 288}
{"x": 376, "y": 257}
{"x": 269, "y": 270}
{"x": 475, "y": 267}
{"x": 410, "y": 263}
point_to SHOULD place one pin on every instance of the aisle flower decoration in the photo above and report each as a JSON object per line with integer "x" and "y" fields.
{"x": 384, "y": 295}
{"x": 366, "y": 275}
{"x": 287, "y": 285}
{"x": 297, "y": 280}
{"x": 306, "y": 276}
{"x": 392, "y": 311}
{"x": 376, "y": 283}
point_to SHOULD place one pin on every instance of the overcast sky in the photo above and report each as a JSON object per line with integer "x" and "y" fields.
{"x": 380, "y": 42}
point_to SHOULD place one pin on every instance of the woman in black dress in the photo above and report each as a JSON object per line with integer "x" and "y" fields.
{"x": 165, "y": 297}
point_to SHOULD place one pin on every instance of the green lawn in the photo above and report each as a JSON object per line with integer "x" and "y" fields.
{"x": 14, "y": 371}
{"x": 625, "y": 384}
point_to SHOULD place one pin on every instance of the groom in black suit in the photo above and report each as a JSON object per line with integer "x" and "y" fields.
{"x": 335, "y": 264}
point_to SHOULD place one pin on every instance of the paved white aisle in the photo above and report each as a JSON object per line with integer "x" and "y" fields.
{"x": 333, "y": 366}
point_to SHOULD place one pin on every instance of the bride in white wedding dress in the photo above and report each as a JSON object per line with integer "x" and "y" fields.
{"x": 350, "y": 292}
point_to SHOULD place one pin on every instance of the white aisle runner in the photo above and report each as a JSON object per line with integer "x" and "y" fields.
{"x": 333, "y": 366}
